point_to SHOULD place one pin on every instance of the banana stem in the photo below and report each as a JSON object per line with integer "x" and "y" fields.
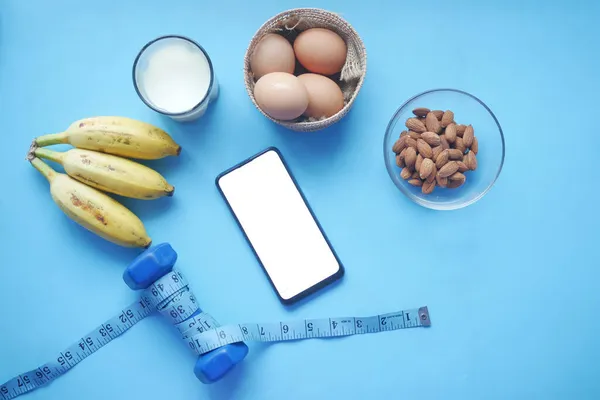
{"x": 50, "y": 139}
{"x": 44, "y": 168}
{"x": 50, "y": 155}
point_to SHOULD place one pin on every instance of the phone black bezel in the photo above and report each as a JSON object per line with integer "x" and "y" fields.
{"x": 319, "y": 285}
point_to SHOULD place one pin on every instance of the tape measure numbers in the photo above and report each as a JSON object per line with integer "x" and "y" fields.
{"x": 170, "y": 295}
{"x": 206, "y": 341}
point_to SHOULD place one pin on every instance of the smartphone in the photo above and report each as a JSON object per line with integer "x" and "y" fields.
{"x": 279, "y": 225}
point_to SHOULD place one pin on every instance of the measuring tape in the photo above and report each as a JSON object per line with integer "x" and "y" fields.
{"x": 170, "y": 295}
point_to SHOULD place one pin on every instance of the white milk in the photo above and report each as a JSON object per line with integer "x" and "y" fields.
{"x": 174, "y": 76}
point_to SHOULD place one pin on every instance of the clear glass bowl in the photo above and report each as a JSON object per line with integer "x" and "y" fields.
{"x": 467, "y": 109}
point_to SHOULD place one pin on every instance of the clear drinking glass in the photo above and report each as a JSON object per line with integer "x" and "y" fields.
{"x": 174, "y": 76}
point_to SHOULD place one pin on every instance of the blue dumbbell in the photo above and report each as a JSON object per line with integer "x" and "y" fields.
{"x": 153, "y": 264}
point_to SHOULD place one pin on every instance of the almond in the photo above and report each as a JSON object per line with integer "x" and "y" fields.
{"x": 468, "y": 136}
{"x": 432, "y": 123}
{"x": 448, "y": 169}
{"x": 444, "y": 141}
{"x": 438, "y": 114}
{"x": 416, "y": 182}
{"x": 410, "y": 142}
{"x": 460, "y": 129}
{"x": 471, "y": 160}
{"x": 421, "y": 111}
{"x": 399, "y": 145}
{"x": 459, "y": 144}
{"x": 403, "y": 133}
{"x": 415, "y": 175}
{"x": 406, "y": 173}
{"x": 456, "y": 179}
{"x": 450, "y": 133}
{"x": 454, "y": 184}
{"x": 442, "y": 182}
{"x": 410, "y": 157}
{"x": 455, "y": 154}
{"x": 432, "y": 139}
{"x": 426, "y": 168}
{"x": 415, "y": 125}
{"x": 402, "y": 153}
{"x": 424, "y": 149}
{"x": 442, "y": 159}
{"x": 418, "y": 162}
{"x": 432, "y": 175}
{"x": 447, "y": 118}
{"x": 436, "y": 152}
{"x": 462, "y": 167}
{"x": 414, "y": 135}
{"x": 428, "y": 187}
{"x": 475, "y": 145}
{"x": 400, "y": 161}
{"x": 457, "y": 176}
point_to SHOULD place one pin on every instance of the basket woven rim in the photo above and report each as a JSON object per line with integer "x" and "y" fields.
{"x": 306, "y": 125}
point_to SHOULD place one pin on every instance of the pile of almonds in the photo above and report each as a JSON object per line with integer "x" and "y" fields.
{"x": 435, "y": 151}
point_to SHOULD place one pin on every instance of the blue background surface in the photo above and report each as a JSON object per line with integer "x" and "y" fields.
{"x": 512, "y": 282}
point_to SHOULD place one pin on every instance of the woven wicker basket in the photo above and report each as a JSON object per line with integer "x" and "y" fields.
{"x": 289, "y": 24}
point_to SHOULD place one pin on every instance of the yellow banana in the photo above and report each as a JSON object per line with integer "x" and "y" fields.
{"x": 93, "y": 209}
{"x": 110, "y": 173}
{"x": 120, "y": 136}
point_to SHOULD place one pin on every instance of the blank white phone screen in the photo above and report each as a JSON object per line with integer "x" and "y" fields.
{"x": 278, "y": 224}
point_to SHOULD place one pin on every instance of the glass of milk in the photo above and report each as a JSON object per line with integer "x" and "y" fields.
{"x": 174, "y": 76}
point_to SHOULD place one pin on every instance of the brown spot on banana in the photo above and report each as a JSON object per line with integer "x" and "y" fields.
{"x": 76, "y": 201}
{"x": 100, "y": 218}
{"x": 85, "y": 179}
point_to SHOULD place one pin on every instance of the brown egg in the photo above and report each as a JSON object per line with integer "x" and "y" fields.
{"x": 281, "y": 95}
{"x": 272, "y": 54}
{"x": 321, "y": 51}
{"x": 325, "y": 98}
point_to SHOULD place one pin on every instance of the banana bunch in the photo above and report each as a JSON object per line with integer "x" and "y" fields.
{"x": 99, "y": 162}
